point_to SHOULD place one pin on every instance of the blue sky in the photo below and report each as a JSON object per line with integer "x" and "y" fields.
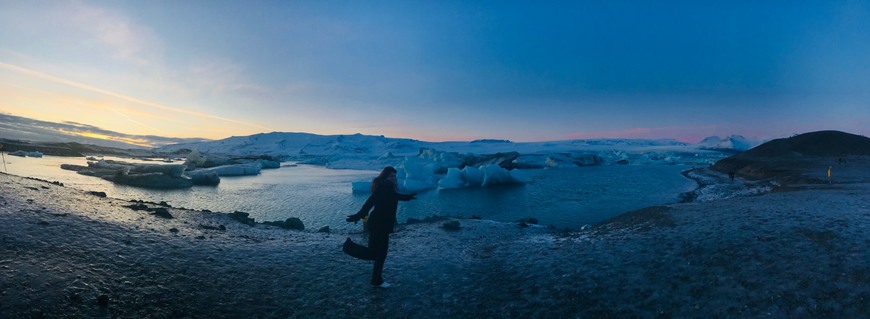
{"x": 440, "y": 70}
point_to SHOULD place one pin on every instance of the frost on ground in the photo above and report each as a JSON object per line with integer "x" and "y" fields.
{"x": 797, "y": 254}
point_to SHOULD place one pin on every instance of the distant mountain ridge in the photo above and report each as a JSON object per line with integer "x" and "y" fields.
{"x": 293, "y": 144}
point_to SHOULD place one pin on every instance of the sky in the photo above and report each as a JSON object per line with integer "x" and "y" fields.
{"x": 439, "y": 70}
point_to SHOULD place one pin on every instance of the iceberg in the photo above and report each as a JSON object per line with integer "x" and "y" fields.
{"x": 228, "y": 170}
{"x": 496, "y": 175}
{"x": 472, "y": 176}
{"x": 202, "y": 177}
{"x": 485, "y": 176}
{"x": 139, "y": 175}
{"x": 452, "y": 180}
{"x": 25, "y": 154}
{"x": 361, "y": 186}
{"x": 151, "y": 180}
{"x": 418, "y": 175}
{"x": 173, "y": 170}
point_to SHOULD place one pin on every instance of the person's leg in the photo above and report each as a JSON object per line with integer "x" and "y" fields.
{"x": 356, "y": 250}
{"x": 378, "y": 244}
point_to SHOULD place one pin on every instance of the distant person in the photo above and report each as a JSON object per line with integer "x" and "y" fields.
{"x": 829, "y": 175}
{"x": 731, "y": 175}
{"x": 385, "y": 199}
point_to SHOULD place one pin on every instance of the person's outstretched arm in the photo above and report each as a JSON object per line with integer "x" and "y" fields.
{"x": 406, "y": 197}
{"x": 364, "y": 211}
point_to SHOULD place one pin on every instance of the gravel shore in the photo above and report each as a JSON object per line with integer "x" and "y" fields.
{"x": 67, "y": 253}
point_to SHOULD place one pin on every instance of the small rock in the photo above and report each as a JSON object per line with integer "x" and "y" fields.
{"x": 200, "y": 237}
{"x": 137, "y": 207}
{"x": 42, "y": 222}
{"x": 452, "y": 225}
{"x": 475, "y": 217}
{"x": 98, "y": 194}
{"x": 164, "y": 204}
{"x": 523, "y": 224}
{"x": 242, "y": 217}
{"x": 324, "y": 229}
{"x": 173, "y": 230}
{"x": 289, "y": 223}
{"x": 103, "y": 301}
{"x": 43, "y": 187}
{"x": 528, "y": 220}
{"x": 162, "y": 212}
{"x": 204, "y": 226}
{"x": 222, "y": 227}
{"x": 294, "y": 223}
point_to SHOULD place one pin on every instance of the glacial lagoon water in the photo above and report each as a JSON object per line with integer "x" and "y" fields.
{"x": 566, "y": 197}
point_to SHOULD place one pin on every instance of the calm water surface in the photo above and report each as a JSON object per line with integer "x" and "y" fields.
{"x": 565, "y": 197}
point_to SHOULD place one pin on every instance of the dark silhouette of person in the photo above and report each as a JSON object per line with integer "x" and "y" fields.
{"x": 384, "y": 199}
{"x": 731, "y": 175}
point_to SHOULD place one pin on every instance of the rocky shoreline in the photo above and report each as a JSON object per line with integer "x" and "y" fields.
{"x": 797, "y": 254}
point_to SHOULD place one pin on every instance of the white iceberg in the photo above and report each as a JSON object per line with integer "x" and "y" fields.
{"x": 361, "y": 186}
{"x": 496, "y": 175}
{"x": 228, "y": 170}
{"x": 452, "y": 180}
{"x": 472, "y": 176}
{"x": 418, "y": 175}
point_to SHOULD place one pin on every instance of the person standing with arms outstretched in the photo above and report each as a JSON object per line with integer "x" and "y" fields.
{"x": 384, "y": 199}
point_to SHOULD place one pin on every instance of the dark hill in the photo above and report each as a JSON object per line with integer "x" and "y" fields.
{"x": 798, "y": 159}
{"x": 68, "y": 148}
{"x": 821, "y": 143}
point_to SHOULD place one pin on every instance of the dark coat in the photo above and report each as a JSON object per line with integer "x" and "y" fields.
{"x": 385, "y": 201}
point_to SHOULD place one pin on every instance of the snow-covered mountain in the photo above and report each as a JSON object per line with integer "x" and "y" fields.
{"x": 728, "y": 143}
{"x": 368, "y": 151}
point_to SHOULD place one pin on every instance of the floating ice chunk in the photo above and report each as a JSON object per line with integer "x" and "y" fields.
{"x": 203, "y": 177}
{"x": 173, "y": 170}
{"x": 361, "y": 186}
{"x": 472, "y": 176}
{"x": 229, "y": 170}
{"x": 452, "y": 180}
{"x": 418, "y": 175}
{"x": 495, "y": 175}
{"x": 416, "y": 169}
{"x": 151, "y": 180}
{"x": 26, "y": 154}
{"x": 268, "y": 164}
